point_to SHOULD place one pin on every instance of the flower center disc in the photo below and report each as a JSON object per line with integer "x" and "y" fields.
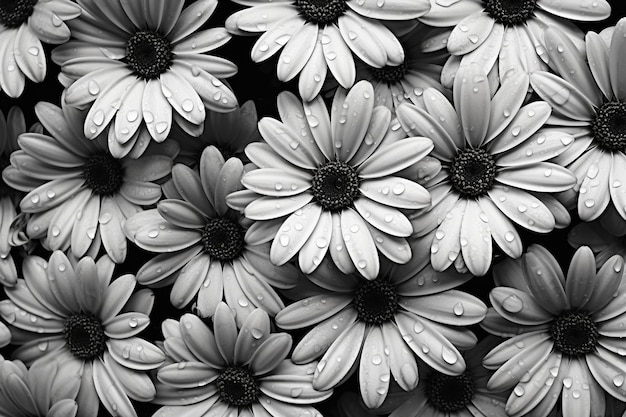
{"x": 388, "y": 73}
{"x": 609, "y": 126}
{"x": 148, "y": 54}
{"x": 450, "y": 393}
{"x": 237, "y": 387}
{"x": 574, "y": 334}
{"x": 103, "y": 174}
{"x": 376, "y": 301}
{"x": 14, "y": 13}
{"x": 335, "y": 185}
{"x": 321, "y": 12}
{"x": 223, "y": 239}
{"x": 472, "y": 172}
{"x": 84, "y": 336}
{"x": 510, "y": 12}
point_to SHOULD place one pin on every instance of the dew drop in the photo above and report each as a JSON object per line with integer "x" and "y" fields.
{"x": 513, "y": 304}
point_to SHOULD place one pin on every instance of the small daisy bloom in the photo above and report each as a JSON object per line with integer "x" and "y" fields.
{"x": 78, "y": 193}
{"x": 507, "y": 35}
{"x": 566, "y": 336}
{"x": 606, "y": 236}
{"x": 205, "y": 247}
{"x": 74, "y": 313}
{"x": 495, "y": 173}
{"x": 24, "y": 24}
{"x": 226, "y": 372}
{"x": 378, "y": 326}
{"x": 317, "y": 36}
{"x": 39, "y": 391}
{"x": 327, "y": 184}
{"x": 144, "y": 61}
{"x": 589, "y": 99}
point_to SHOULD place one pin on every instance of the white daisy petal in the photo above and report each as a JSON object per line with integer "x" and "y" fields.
{"x": 543, "y": 176}
{"x": 487, "y": 53}
{"x": 104, "y": 108}
{"x": 375, "y": 133}
{"x": 361, "y": 42}
{"x": 189, "y": 280}
{"x": 190, "y": 19}
{"x": 110, "y": 391}
{"x": 566, "y": 99}
{"x": 337, "y": 248}
{"x": 476, "y": 239}
{"x": 503, "y": 231}
{"x": 518, "y": 307}
{"x": 470, "y": 33}
{"x": 617, "y": 60}
{"x": 110, "y": 225}
{"x": 315, "y": 248}
{"x": 359, "y": 244}
{"x": 593, "y": 195}
{"x": 349, "y": 124}
{"x": 597, "y": 57}
{"x": 543, "y": 145}
{"x": 392, "y": 10}
{"x": 275, "y": 182}
{"x": 472, "y": 98}
{"x": 274, "y": 349}
{"x": 446, "y": 244}
{"x": 287, "y": 143}
{"x": 313, "y": 74}
{"x": 607, "y": 367}
{"x": 311, "y": 310}
{"x": 32, "y": 59}
{"x": 523, "y": 208}
{"x": 297, "y": 52}
{"x": 528, "y": 120}
{"x": 276, "y": 36}
{"x": 386, "y": 219}
{"x": 396, "y": 192}
{"x": 294, "y": 232}
{"x": 157, "y": 112}
{"x": 11, "y": 82}
{"x": 374, "y": 369}
{"x": 617, "y": 178}
{"x": 577, "y": 11}
{"x": 402, "y": 362}
{"x": 506, "y": 102}
{"x": 129, "y": 116}
{"x": 338, "y": 56}
{"x": 215, "y": 95}
{"x": 397, "y": 156}
{"x": 182, "y": 97}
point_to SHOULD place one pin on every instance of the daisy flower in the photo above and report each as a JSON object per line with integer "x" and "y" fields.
{"x": 588, "y": 97}
{"x": 317, "y": 36}
{"x": 24, "y": 24}
{"x": 326, "y": 184}
{"x": 509, "y": 34}
{"x": 566, "y": 336}
{"x": 378, "y": 326}
{"x": 74, "y": 313}
{"x": 77, "y": 192}
{"x": 144, "y": 61}
{"x": 206, "y": 248}
{"x": 605, "y": 236}
{"x": 224, "y": 371}
{"x": 43, "y": 390}
{"x": 494, "y": 154}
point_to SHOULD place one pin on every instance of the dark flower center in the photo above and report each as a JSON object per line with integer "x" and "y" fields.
{"x": 14, "y": 13}
{"x": 5, "y": 190}
{"x": 335, "y": 185}
{"x": 103, "y": 174}
{"x": 388, "y": 73}
{"x": 609, "y": 126}
{"x": 84, "y": 336}
{"x": 148, "y": 54}
{"x": 472, "y": 172}
{"x": 450, "y": 393}
{"x": 321, "y": 12}
{"x": 574, "y": 333}
{"x": 223, "y": 239}
{"x": 237, "y": 386}
{"x": 510, "y": 12}
{"x": 376, "y": 301}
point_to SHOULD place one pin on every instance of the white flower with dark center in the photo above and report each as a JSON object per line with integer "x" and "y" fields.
{"x": 24, "y": 24}
{"x": 205, "y": 247}
{"x": 320, "y": 35}
{"x": 589, "y": 98}
{"x": 142, "y": 64}
{"x": 378, "y": 326}
{"x": 73, "y": 313}
{"x": 494, "y": 154}
{"x": 566, "y": 333}
{"x": 327, "y": 184}
{"x": 79, "y": 195}
{"x": 226, "y": 372}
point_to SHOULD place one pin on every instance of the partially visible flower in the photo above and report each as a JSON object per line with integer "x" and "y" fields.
{"x": 495, "y": 169}
{"x": 317, "y": 36}
{"x": 226, "y": 372}
{"x": 142, "y": 64}
{"x": 326, "y": 184}
{"x": 24, "y": 24}
{"x": 74, "y": 313}
{"x": 78, "y": 193}
{"x": 379, "y": 326}
{"x": 606, "y": 236}
{"x": 566, "y": 333}
{"x": 206, "y": 248}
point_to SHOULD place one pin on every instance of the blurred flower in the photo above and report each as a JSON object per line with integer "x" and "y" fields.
{"x": 493, "y": 152}
{"x": 144, "y": 61}
{"x": 326, "y": 184}
{"x": 566, "y": 333}
{"x": 24, "y": 24}
{"x": 235, "y": 373}
{"x": 74, "y": 313}
{"x": 605, "y": 236}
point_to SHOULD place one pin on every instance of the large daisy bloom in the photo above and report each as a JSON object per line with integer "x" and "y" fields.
{"x": 42, "y": 390}
{"x": 206, "y": 248}
{"x": 379, "y": 326}
{"x": 143, "y": 63}
{"x": 73, "y": 312}
{"x": 78, "y": 193}
{"x": 495, "y": 172}
{"x": 226, "y": 372}
{"x": 566, "y": 333}
{"x": 326, "y": 184}
{"x": 505, "y": 34}
{"x": 317, "y": 36}
{"x": 24, "y": 24}
{"x": 590, "y": 102}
